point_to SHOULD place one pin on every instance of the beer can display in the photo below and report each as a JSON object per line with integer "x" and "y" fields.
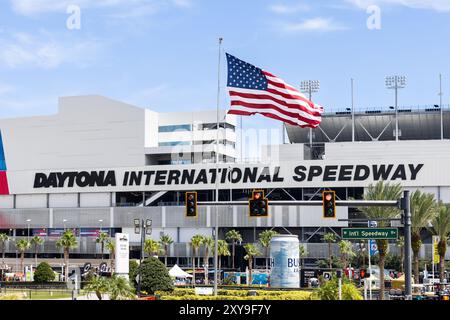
{"x": 285, "y": 261}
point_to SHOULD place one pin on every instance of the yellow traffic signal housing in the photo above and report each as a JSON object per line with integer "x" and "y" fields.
{"x": 191, "y": 204}
{"x": 329, "y": 204}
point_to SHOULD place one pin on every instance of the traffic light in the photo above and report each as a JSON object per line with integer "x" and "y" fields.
{"x": 191, "y": 204}
{"x": 329, "y": 204}
{"x": 258, "y": 205}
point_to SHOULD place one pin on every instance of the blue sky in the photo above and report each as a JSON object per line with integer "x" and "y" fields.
{"x": 162, "y": 54}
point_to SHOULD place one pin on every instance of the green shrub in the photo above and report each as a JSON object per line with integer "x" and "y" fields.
{"x": 10, "y": 297}
{"x": 330, "y": 290}
{"x": 133, "y": 271}
{"x": 43, "y": 273}
{"x": 155, "y": 276}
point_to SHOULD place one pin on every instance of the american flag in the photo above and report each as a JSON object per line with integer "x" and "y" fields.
{"x": 253, "y": 90}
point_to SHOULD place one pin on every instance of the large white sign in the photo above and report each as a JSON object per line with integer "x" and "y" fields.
{"x": 122, "y": 253}
{"x": 320, "y": 173}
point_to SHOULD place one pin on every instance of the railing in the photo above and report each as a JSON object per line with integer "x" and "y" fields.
{"x": 429, "y": 108}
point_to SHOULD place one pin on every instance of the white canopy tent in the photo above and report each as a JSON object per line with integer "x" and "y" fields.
{"x": 177, "y": 272}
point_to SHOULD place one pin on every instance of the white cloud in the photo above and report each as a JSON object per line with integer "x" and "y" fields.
{"x": 288, "y": 9}
{"x": 22, "y": 50}
{"x": 35, "y": 7}
{"x": 315, "y": 24}
{"x": 5, "y": 89}
{"x": 437, "y": 5}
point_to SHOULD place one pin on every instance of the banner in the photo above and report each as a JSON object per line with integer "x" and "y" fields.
{"x": 436, "y": 257}
{"x": 122, "y": 253}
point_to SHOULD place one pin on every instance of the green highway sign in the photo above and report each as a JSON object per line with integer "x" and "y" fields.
{"x": 369, "y": 233}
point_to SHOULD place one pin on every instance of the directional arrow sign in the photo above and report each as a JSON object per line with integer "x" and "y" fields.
{"x": 369, "y": 233}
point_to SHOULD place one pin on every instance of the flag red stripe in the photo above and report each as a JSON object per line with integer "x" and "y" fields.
{"x": 282, "y": 102}
{"x": 271, "y": 106}
{"x": 4, "y": 189}
{"x": 269, "y": 115}
{"x": 287, "y": 95}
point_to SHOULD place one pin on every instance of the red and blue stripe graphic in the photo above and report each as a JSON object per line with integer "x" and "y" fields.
{"x": 4, "y": 189}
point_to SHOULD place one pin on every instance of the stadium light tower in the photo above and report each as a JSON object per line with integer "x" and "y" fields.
{"x": 309, "y": 87}
{"x": 396, "y": 82}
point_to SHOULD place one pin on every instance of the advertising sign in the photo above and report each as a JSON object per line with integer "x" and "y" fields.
{"x": 436, "y": 257}
{"x": 122, "y": 253}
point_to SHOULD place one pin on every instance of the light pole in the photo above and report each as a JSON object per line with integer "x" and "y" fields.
{"x": 396, "y": 82}
{"x": 309, "y": 87}
{"x": 440, "y": 106}
{"x": 143, "y": 228}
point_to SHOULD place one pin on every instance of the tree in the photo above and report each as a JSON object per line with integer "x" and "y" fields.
{"x": 264, "y": 239}
{"x": 111, "y": 247}
{"x": 209, "y": 244}
{"x": 222, "y": 251}
{"x": 3, "y": 239}
{"x": 119, "y": 289}
{"x": 166, "y": 241}
{"x": 196, "y": 242}
{"x": 43, "y": 273}
{"x": 22, "y": 245}
{"x": 102, "y": 238}
{"x": 382, "y": 191}
{"x": 441, "y": 228}
{"x": 36, "y": 241}
{"x": 302, "y": 252}
{"x": 155, "y": 276}
{"x": 401, "y": 245}
{"x": 330, "y": 238}
{"x": 67, "y": 241}
{"x": 423, "y": 210}
{"x": 133, "y": 271}
{"x": 252, "y": 251}
{"x": 152, "y": 247}
{"x": 233, "y": 236}
{"x": 347, "y": 252}
{"x": 99, "y": 285}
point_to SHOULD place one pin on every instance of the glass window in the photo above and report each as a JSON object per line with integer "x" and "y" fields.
{"x": 174, "y": 128}
{"x": 174, "y": 143}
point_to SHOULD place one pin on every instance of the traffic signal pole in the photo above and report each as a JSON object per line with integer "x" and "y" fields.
{"x": 407, "y": 234}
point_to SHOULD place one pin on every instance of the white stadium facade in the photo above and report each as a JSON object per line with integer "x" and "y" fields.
{"x": 100, "y": 164}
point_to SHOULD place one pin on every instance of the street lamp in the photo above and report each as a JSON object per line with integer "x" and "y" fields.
{"x": 309, "y": 87}
{"x": 143, "y": 228}
{"x": 396, "y": 82}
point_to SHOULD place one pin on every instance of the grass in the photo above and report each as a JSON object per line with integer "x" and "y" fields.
{"x": 39, "y": 294}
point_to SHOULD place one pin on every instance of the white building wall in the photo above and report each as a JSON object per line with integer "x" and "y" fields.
{"x": 31, "y": 201}
{"x": 88, "y": 200}
{"x": 187, "y": 233}
{"x": 87, "y": 132}
{"x": 6, "y": 202}
{"x": 65, "y": 200}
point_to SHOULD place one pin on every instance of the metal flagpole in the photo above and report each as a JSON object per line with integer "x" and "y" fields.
{"x": 353, "y": 115}
{"x": 216, "y": 233}
{"x": 440, "y": 106}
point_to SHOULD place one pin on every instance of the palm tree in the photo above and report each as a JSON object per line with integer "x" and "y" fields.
{"x": 209, "y": 243}
{"x": 382, "y": 191}
{"x": 330, "y": 238}
{"x": 67, "y": 241}
{"x": 423, "y": 210}
{"x": 222, "y": 251}
{"x": 252, "y": 251}
{"x": 22, "y": 245}
{"x": 36, "y": 241}
{"x": 302, "y": 252}
{"x": 196, "y": 242}
{"x": 120, "y": 289}
{"x": 347, "y": 252}
{"x": 165, "y": 241}
{"x": 233, "y": 236}
{"x": 264, "y": 239}
{"x": 3, "y": 239}
{"x": 441, "y": 228}
{"x": 111, "y": 247}
{"x": 102, "y": 239}
{"x": 99, "y": 285}
{"x": 400, "y": 243}
{"x": 152, "y": 247}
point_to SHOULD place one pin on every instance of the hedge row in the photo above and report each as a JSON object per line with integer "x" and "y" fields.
{"x": 189, "y": 294}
